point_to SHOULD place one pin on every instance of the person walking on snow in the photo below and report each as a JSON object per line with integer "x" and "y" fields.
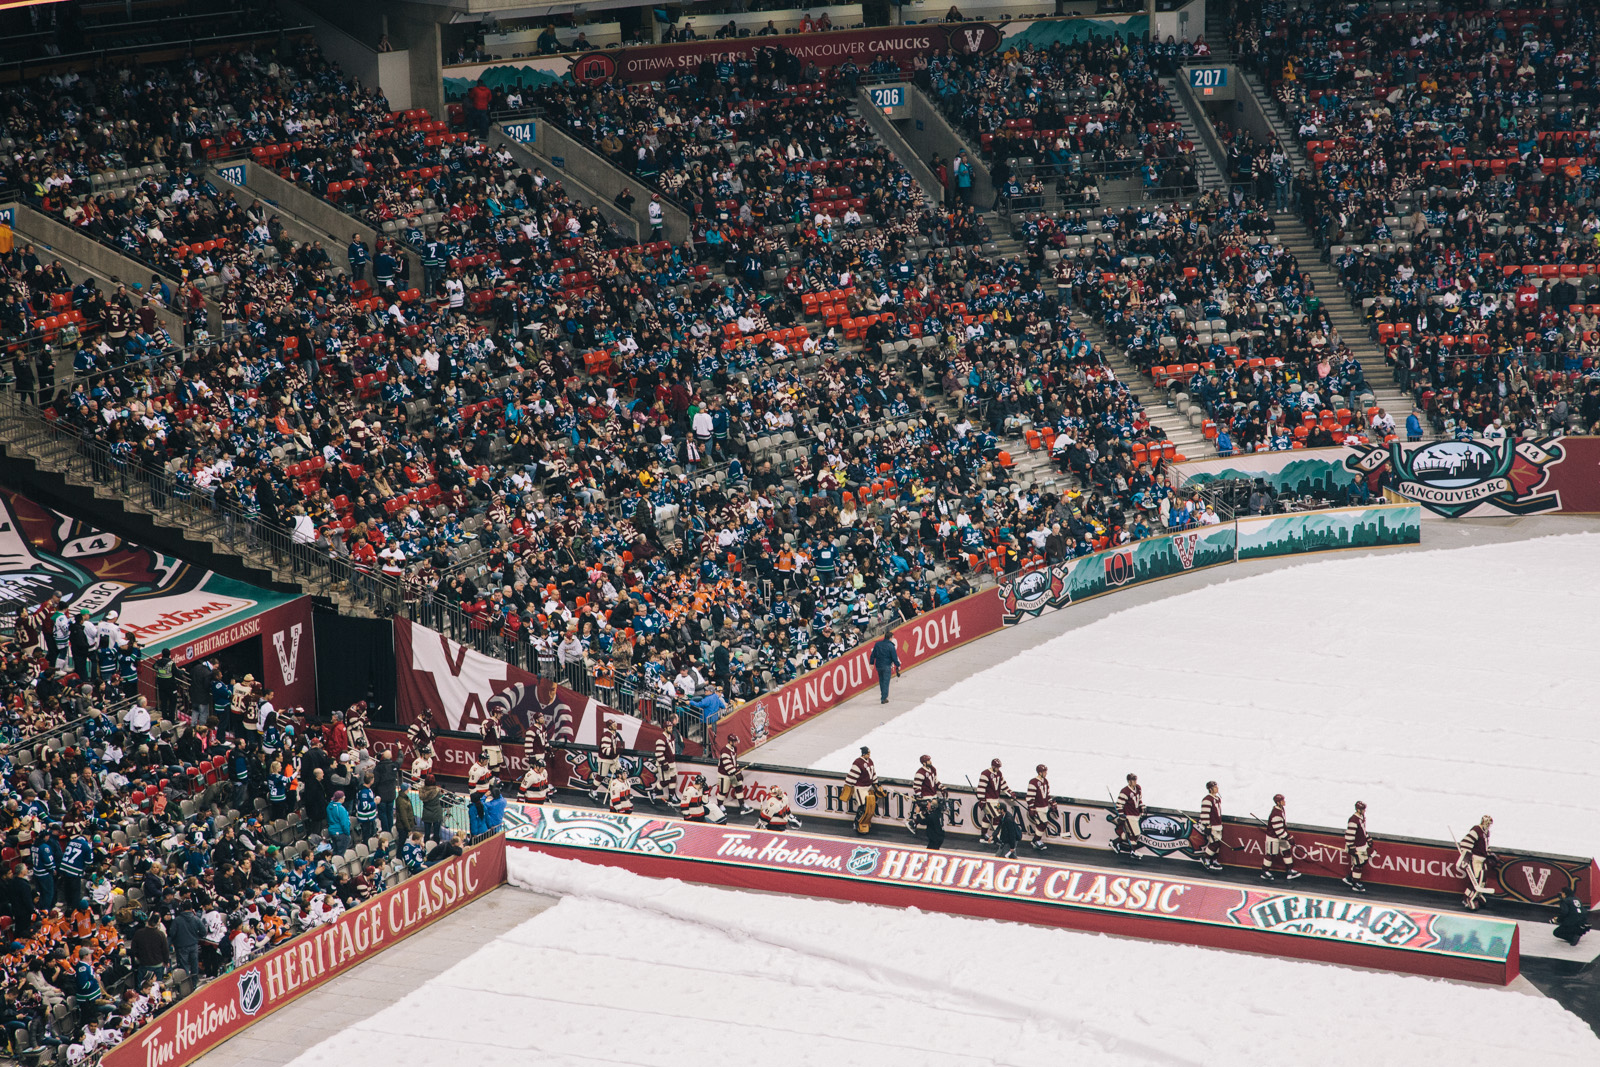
{"x": 885, "y": 658}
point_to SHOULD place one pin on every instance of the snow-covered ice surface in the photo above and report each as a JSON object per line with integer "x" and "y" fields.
{"x": 1436, "y": 686}
{"x": 629, "y": 970}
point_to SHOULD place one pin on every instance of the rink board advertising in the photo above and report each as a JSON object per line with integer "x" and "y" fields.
{"x": 1134, "y": 902}
{"x": 215, "y": 1012}
{"x": 1165, "y": 834}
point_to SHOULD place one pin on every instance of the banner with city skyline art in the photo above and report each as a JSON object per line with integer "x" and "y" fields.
{"x": 1325, "y": 531}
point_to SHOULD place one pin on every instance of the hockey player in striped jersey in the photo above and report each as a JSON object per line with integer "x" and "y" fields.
{"x": 1041, "y": 805}
{"x": 1211, "y": 828}
{"x": 1278, "y": 844}
{"x": 1473, "y": 863}
{"x": 992, "y": 795}
{"x": 1130, "y": 807}
{"x": 610, "y": 754}
{"x": 730, "y": 776}
{"x": 666, "y": 763}
{"x": 926, "y": 791}
{"x": 1357, "y": 847}
{"x": 860, "y": 779}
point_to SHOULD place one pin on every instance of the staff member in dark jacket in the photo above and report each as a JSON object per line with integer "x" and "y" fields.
{"x": 1572, "y": 921}
{"x": 885, "y": 658}
{"x": 386, "y": 783}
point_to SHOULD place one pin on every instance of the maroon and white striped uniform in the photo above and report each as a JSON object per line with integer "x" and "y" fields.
{"x": 862, "y": 774}
{"x": 666, "y": 766}
{"x": 1278, "y": 843}
{"x": 926, "y": 783}
{"x": 1357, "y": 846}
{"x": 1040, "y": 805}
{"x": 610, "y": 754}
{"x": 730, "y": 779}
{"x": 1211, "y": 825}
{"x": 1130, "y": 805}
{"x": 493, "y": 754}
{"x": 992, "y": 791}
{"x": 1474, "y": 863}
{"x": 1131, "y": 801}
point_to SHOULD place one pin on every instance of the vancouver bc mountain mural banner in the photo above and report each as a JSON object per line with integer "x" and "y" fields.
{"x": 1451, "y": 479}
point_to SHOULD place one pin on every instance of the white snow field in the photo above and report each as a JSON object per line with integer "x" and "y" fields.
{"x": 1437, "y": 686}
{"x": 627, "y": 970}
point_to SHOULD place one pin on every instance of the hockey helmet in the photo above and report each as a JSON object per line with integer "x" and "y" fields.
{"x": 699, "y": 779}
{"x": 1041, "y": 769}
{"x": 1133, "y": 777}
{"x": 1361, "y": 805}
{"x": 1210, "y": 786}
{"x": 925, "y": 760}
{"x": 995, "y": 762}
{"x": 1277, "y": 798}
{"x": 865, "y": 751}
{"x": 733, "y": 739}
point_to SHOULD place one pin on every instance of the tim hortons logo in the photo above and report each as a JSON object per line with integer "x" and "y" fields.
{"x": 288, "y": 657}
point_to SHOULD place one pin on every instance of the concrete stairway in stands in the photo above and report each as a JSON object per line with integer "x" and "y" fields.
{"x": 55, "y": 458}
{"x": 1352, "y": 330}
{"x": 1208, "y": 169}
{"x": 1188, "y": 440}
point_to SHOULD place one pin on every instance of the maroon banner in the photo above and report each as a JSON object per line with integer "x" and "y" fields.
{"x": 288, "y": 653}
{"x": 898, "y": 44}
{"x": 454, "y": 687}
{"x": 212, "y": 1014}
{"x": 1425, "y": 865}
{"x": 924, "y": 637}
{"x": 1139, "y": 903}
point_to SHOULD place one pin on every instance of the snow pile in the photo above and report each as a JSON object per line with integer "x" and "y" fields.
{"x": 1436, "y": 686}
{"x": 628, "y": 970}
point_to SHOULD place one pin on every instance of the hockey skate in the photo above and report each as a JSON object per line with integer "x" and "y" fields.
{"x": 1039, "y": 846}
{"x": 1291, "y": 876}
{"x": 1266, "y": 876}
{"x": 1355, "y": 886}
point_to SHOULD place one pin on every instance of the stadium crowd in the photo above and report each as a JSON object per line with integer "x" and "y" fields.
{"x": 1453, "y": 190}
{"x": 1066, "y": 111}
{"x": 147, "y": 850}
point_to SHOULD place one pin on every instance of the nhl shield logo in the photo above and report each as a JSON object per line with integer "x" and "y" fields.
{"x": 805, "y": 795}
{"x": 863, "y": 860}
{"x": 251, "y": 995}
